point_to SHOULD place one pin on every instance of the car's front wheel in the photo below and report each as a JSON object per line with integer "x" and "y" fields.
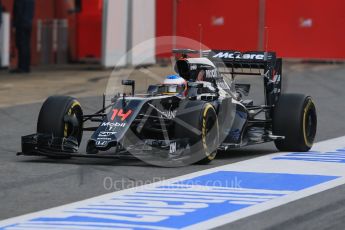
{"x": 209, "y": 134}
{"x": 61, "y": 117}
{"x": 200, "y": 125}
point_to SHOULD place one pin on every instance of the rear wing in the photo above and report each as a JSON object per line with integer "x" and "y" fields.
{"x": 265, "y": 64}
{"x": 246, "y": 63}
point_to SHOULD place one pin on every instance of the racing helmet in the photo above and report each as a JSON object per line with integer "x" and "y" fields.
{"x": 174, "y": 84}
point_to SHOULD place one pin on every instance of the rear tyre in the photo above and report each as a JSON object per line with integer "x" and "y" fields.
{"x": 61, "y": 116}
{"x": 295, "y": 118}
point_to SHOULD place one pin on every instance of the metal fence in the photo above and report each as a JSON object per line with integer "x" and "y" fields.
{"x": 52, "y": 41}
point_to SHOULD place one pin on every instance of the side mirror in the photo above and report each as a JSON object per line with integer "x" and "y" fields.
{"x": 129, "y": 83}
{"x": 152, "y": 89}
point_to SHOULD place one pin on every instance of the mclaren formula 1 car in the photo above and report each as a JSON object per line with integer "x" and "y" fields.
{"x": 179, "y": 125}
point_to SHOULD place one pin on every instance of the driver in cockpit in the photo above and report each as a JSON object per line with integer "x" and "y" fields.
{"x": 174, "y": 84}
{"x": 201, "y": 75}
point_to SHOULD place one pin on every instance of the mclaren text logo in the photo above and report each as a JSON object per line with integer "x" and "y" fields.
{"x": 239, "y": 56}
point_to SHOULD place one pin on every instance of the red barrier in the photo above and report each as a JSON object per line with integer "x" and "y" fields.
{"x": 306, "y": 29}
{"x": 89, "y": 30}
{"x": 309, "y": 29}
{"x": 225, "y": 24}
{"x": 164, "y": 24}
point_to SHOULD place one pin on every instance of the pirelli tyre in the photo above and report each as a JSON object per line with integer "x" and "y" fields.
{"x": 209, "y": 134}
{"x": 201, "y": 126}
{"x": 295, "y": 118}
{"x": 61, "y": 116}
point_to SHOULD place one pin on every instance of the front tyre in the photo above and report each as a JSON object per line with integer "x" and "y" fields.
{"x": 295, "y": 118}
{"x": 198, "y": 121}
{"x": 61, "y": 117}
{"x": 209, "y": 134}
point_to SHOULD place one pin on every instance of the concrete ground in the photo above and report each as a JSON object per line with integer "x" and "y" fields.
{"x": 29, "y": 184}
{"x": 77, "y": 81}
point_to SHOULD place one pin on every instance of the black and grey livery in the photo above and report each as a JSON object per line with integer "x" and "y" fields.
{"x": 211, "y": 116}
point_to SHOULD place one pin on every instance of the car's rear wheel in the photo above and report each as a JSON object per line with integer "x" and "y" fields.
{"x": 295, "y": 118}
{"x": 61, "y": 117}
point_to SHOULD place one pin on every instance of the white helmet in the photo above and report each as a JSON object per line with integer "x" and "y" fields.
{"x": 175, "y": 85}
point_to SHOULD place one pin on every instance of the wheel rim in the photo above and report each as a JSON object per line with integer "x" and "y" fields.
{"x": 210, "y": 137}
{"x": 309, "y": 123}
{"x": 74, "y": 114}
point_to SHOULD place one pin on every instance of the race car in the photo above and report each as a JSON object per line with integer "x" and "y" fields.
{"x": 187, "y": 119}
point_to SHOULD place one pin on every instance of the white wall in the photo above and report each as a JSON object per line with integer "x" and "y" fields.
{"x": 5, "y": 40}
{"x": 121, "y": 33}
{"x": 144, "y": 30}
{"x": 114, "y": 35}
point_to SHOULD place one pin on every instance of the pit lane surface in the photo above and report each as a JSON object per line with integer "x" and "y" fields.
{"x": 30, "y": 184}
